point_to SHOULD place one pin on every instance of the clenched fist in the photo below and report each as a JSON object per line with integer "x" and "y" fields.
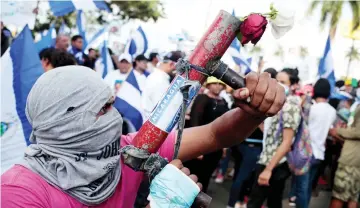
{"x": 262, "y": 96}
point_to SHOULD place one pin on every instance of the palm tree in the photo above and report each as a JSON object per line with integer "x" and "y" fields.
{"x": 353, "y": 55}
{"x": 303, "y": 52}
{"x": 256, "y": 50}
{"x": 333, "y": 10}
{"x": 280, "y": 53}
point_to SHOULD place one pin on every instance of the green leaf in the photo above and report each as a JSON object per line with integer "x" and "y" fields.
{"x": 239, "y": 36}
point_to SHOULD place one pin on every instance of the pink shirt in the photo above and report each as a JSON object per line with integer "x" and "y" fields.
{"x": 20, "y": 187}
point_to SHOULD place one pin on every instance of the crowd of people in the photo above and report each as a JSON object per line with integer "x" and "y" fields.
{"x": 260, "y": 167}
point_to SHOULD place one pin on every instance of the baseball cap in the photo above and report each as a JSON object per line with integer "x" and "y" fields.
{"x": 214, "y": 80}
{"x": 125, "y": 56}
{"x": 141, "y": 57}
{"x": 173, "y": 56}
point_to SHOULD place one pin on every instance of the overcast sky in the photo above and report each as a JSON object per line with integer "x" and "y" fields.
{"x": 196, "y": 15}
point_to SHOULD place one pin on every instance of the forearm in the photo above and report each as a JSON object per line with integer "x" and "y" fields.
{"x": 234, "y": 127}
{"x": 229, "y": 129}
{"x": 349, "y": 133}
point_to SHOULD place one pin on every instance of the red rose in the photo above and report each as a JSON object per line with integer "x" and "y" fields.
{"x": 252, "y": 28}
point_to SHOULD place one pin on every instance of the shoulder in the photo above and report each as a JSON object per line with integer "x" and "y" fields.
{"x": 21, "y": 185}
{"x": 292, "y": 105}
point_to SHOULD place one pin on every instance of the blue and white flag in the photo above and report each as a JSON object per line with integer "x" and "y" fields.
{"x": 106, "y": 61}
{"x": 81, "y": 25}
{"x": 20, "y": 68}
{"x": 326, "y": 66}
{"x": 99, "y": 37}
{"x": 238, "y": 54}
{"x": 47, "y": 39}
{"x": 128, "y": 100}
{"x": 138, "y": 43}
{"x": 61, "y": 8}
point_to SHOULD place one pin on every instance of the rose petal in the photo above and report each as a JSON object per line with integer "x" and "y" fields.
{"x": 258, "y": 35}
{"x": 244, "y": 40}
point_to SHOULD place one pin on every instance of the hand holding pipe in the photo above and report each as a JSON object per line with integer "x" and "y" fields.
{"x": 164, "y": 117}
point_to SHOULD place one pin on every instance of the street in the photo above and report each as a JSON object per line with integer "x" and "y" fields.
{"x": 220, "y": 194}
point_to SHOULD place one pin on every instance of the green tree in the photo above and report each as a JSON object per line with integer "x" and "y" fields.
{"x": 256, "y": 50}
{"x": 124, "y": 10}
{"x": 280, "y": 53}
{"x": 142, "y": 10}
{"x": 353, "y": 55}
{"x": 303, "y": 52}
{"x": 333, "y": 10}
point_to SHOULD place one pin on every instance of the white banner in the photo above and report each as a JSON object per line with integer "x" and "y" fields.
{"x": 18, "y": 13}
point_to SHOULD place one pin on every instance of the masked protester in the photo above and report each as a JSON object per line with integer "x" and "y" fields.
{"x": 74, "y": 158}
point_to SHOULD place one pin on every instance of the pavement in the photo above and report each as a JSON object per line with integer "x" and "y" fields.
{"x": 220, "y": 194}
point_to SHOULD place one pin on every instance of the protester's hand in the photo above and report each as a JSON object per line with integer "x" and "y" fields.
{"x": 262, "y": 96}
{"x": 200, "y": 157}
{"x": 264, "y": 177}
{"x": 177, "y": 163}
{"x": 332, "y": 132}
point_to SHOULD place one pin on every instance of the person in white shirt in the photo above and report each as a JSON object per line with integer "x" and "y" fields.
{"x": 140, "y": 66}
{"x": 158, "y": 82}
{"x": 153, "y": 61}
{"x": 321, "y": 118}
{"x": 115, "y": 78}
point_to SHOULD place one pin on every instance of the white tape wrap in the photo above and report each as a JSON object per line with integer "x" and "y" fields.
{"x": 172, "y": 188}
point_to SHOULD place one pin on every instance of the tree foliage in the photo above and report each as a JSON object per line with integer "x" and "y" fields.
{"x": 333, "y": 10}
{"x": 353, "y": 54}
{"x": 280, "y": 52}
{"x": 124, "y": 10}
{"x": 142, "y": 10}
{"x": 303, "y": 52}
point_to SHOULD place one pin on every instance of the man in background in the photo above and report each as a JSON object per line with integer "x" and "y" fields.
{"x": 158, "y": 81}
{"x": 90, "y": 59}
{"x": 115, "y": 78}
{"x": 76, "y": 49}
{"x": 153, "y": 61}
{"x": 52, "y": 58}
{"x": 62, "y": 42}
{"x": 347, "y": 177}
{"x": 140, "y": 66}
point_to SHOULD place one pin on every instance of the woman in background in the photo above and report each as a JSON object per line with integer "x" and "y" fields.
{"x": 206, "y": 108}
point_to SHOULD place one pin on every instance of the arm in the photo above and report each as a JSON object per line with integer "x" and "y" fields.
{"x": 223, "y": 132}
{"x": 352, "y": 132}
{"x": 267, "y": 98}
{"x": 283, "y": 149}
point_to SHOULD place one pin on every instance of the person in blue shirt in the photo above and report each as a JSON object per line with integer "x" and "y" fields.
{"x": 77, "y": 42}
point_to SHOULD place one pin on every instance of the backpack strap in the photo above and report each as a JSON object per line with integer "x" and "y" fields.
{"x": 281, "y": 125}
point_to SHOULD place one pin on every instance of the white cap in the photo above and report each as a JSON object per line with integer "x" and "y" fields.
{"x": 125, "y": 56}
